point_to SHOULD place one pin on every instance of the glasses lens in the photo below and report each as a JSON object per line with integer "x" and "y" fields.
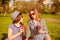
{"x": 32, "y": 14}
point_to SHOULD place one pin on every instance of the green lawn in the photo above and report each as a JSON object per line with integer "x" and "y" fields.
{"x": 53, "y": 27}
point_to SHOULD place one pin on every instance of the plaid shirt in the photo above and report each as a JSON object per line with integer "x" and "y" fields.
{"x": 32, "y": 28}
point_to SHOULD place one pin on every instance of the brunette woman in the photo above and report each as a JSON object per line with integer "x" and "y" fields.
{"x": 17, "y": 27}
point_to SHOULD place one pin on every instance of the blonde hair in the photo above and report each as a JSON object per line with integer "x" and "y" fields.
{"x": 37, "y": 14}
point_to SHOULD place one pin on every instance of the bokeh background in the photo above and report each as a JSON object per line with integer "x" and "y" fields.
{"x": 49, "y": 10}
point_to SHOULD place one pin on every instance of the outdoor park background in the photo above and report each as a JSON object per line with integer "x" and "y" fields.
{"x": 49, "y": 11}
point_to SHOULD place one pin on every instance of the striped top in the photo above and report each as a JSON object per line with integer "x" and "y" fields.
{"x": 15, "y": 30}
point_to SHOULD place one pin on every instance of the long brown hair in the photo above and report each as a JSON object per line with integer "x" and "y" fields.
{"x": 37, "y": 14}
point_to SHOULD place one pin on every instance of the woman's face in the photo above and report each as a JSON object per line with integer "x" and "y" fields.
{"x": 21, "y": 20}
{"x": 33, "y": 15}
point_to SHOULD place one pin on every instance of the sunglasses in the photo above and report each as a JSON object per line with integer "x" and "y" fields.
{"x": 32, "y": 14}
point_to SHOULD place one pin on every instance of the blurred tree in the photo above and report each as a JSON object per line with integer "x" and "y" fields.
{"x": 5, "y": 5}
{"x": 25, "y": 6}
{"x": 57, "y": 6}
{"x": 0, "y": 6}
{"x": 40, "y": 4}
{"x": 0, "y": 1}
{"x": 5, "y": 1}
{"x": 47, "y": 5}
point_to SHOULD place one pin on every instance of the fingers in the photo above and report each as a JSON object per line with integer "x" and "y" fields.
{"x": 22, "y": 30}
{"x": 41, "y": 31}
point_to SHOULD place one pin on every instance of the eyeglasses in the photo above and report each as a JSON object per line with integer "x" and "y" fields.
{"x": 32, "y": 14}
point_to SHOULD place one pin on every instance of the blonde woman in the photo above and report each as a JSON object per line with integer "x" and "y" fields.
{"x": 37, "y": 26}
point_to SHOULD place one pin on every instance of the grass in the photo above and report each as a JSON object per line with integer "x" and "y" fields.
{"x": 53, "y": 28}
{"x": 56, "y": 16}
{"x": 4, "y": 22}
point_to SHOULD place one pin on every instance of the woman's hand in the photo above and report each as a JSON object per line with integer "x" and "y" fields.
{"x": 21, "y": 30}
{"x": 41, "y": 31}
{"x": 26, "y": 38}
{"x": 11, "y": 37}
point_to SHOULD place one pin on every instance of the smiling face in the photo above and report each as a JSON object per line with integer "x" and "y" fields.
{"x": 32, "y": 15}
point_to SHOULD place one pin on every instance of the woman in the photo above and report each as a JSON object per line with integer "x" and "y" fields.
{"x": 37, "y": 26}
{"x": 16, "y": 29}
